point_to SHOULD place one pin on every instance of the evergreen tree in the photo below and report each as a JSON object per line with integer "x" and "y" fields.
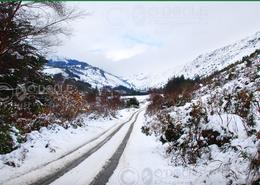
{"x": 27, "y": 30}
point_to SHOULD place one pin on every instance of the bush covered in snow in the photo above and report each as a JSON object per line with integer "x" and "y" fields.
{"x": 220, "y": 121}
{"x": 132, "y": 102}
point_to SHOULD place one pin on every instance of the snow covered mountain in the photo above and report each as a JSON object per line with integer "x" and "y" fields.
{"x": 204, "y": 64}
{"x": 218, "y": 59}
{"x": 85, "y": 72}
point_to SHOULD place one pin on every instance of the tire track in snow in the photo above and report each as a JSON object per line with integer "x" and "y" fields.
{"x": 72, "y": 164}
{"x": 107, "y": 171}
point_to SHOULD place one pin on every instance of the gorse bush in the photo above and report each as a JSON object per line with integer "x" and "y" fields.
{"x": 186, "y": 138}
{"x": 156, "y": 102}
{"x": 215, "y": 118}
{"x": 189, "y": 137}
{"x": 67, "y": 104}
{"x": 132, "y": 102}
{"x": 179, "y": 89}
{"x": 176, "y": 92}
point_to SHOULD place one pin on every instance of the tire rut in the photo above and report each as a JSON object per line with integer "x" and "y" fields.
{"x": 69, "y": 166}
{"x": 107, "y": 171}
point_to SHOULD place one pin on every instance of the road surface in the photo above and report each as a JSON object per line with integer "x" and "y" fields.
{"x": 101, "y": 153}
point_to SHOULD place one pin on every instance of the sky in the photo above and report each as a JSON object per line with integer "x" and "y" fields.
{"x": 150, "y": 37}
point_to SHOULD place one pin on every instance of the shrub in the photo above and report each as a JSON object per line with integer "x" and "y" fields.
{"x": 106, "y": 103}
{"x": 179, "y": 89}
{"x": 132, "y": 102}
{"x": 187, "y": 138}
{"x": 146, "y": 130}
{"x": 6, "y": 141}
{"x": 243, "y": 103}
{"x": 157, "y": 101}
{"x": 67, "y": 104}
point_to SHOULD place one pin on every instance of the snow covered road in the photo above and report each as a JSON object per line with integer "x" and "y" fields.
{"x": 143, "y": 162}
{"x": 87, "y": 169}
{"x": 119, "y": 155}
{"x": 44, "y": 173}
{"x": 104, "y": 175}
{"x": 128, "y": 158}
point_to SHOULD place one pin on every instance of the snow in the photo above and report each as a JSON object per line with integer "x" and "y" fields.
{"x": 145, "y": 162}
{"x": 141, "y": 98}
{"x": 93, "y": 164}
{"x": 53, "y": 143}
{"x": 229, "y": 163}
{"x": 203, "y": 65}
{"x": 142, "y": 160}
{"x": 232, "y": 122}
{"x": 53, "y": 71}
{"x": 96, "y": 78}
{"x": 82, "y": 71}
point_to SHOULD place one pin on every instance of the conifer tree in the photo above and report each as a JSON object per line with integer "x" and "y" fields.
{"x": 27, "y": 31}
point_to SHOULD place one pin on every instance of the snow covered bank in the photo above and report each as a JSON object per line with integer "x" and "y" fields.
{"x": 213, "y": 129}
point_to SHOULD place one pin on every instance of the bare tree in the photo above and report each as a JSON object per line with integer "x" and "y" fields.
{"x": 37, "y": 24}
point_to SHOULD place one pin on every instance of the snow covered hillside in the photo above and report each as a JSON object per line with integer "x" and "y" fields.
{"x": 213, "y": 127}
{"x": 203, "y": 65}
{"x": 218, "y": 59}
{"x": 85, "y": 72}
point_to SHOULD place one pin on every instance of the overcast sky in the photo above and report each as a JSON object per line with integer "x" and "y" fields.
{"x": 132, "y": 37}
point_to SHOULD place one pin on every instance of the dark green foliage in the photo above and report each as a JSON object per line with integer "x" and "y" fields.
{"x": 20, "y": 67}
{"x": 178, "y": 90}
{"x": 146, "y": 130}
{"x": 156, "y": 104}
{"x": 6, "y": 142}
{"x": 173, "y": 133}
{"x": 198, "y": 115}
{"x": 178, "y": 84}
{"x": 212, "y": 137}
{"x": 243, "y": 103}
{"x": 132, "y": 102}
{"x": 127, "y": 91}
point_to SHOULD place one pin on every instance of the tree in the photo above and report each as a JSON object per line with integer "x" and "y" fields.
{"x": 132, "y": 102}
{"x": 179, "y": 89}
{"x": 27, "y": 31}
{"x": 32, "y": 24}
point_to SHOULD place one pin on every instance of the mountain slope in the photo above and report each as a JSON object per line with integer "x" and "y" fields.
{"x": 204, "y": 64}
{"x": 85, "y": 72}
{"x": 218, "y": 59}
{"x": 213, "y": 127}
